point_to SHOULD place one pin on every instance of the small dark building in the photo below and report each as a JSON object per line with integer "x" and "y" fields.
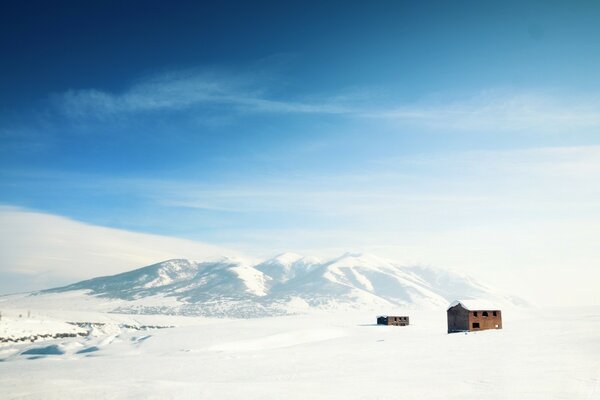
{"x": 392, "y": 320}
{"x": 473, "y": 315}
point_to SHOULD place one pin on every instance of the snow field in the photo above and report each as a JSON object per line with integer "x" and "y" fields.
{"x": 541, "y": 354}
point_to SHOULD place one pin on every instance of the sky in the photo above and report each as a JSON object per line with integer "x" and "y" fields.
{"x": 462, "y": 135}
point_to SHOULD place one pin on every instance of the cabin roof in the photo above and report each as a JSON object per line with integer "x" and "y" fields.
{"x": 475, "y": 305}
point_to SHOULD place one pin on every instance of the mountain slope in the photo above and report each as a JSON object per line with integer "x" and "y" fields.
{"x": 286, "y": 284}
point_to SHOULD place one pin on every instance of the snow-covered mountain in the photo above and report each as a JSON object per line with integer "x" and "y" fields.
{"x": 286, "y": 284}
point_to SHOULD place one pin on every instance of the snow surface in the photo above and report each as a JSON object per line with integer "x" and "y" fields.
{"x": 21, "y": 328}
{"x": 540, "y": 354}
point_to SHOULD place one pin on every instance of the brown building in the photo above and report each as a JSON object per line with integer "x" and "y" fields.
{"x": 473, "y": 315}
{"x": 392, "y": 320}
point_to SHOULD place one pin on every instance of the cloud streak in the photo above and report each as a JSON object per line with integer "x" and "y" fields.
{"x": 182, "y": 91}
{"x": 494, "y": 111}
{"x": 488, "y": 111}
{"x": 537, "y": 180}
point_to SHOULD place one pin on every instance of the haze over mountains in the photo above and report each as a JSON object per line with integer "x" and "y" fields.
{"x": 286, "y": 284}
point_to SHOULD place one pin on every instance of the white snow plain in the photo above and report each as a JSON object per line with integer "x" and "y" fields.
{"x": 540, "y": 354}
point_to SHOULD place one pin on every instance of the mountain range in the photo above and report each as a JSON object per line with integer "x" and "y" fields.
{"x": 286, "y": 284}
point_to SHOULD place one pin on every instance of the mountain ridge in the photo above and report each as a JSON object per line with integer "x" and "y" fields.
{"x": 286, "y": 284}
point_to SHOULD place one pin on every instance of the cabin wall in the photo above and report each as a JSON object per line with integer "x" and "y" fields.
{"x": 398, "y": 321}
{"x": 458, "y": 319}
{"x": 393, "y": 320}
{"x": 489, "y": 322}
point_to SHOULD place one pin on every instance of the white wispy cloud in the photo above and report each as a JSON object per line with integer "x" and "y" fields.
{"x": 493, "y": 111}
{"x": 532, "y": 178}
{"x": 180, "y": 91}
{"x": 486, "y": 111}
{"x": 536, "y": 180}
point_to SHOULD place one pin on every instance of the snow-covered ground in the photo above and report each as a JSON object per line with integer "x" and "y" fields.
{"x": 540, "y": 354}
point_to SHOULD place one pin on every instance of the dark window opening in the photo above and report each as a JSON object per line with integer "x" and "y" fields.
{"x": 475, "y": 325}
{"x": 495, "y": 314}
{"x": 485, "y": 314}
{"x": 474, "y": 313}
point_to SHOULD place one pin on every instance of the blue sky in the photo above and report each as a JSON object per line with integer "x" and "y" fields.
{"x": 432, "y": 132}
